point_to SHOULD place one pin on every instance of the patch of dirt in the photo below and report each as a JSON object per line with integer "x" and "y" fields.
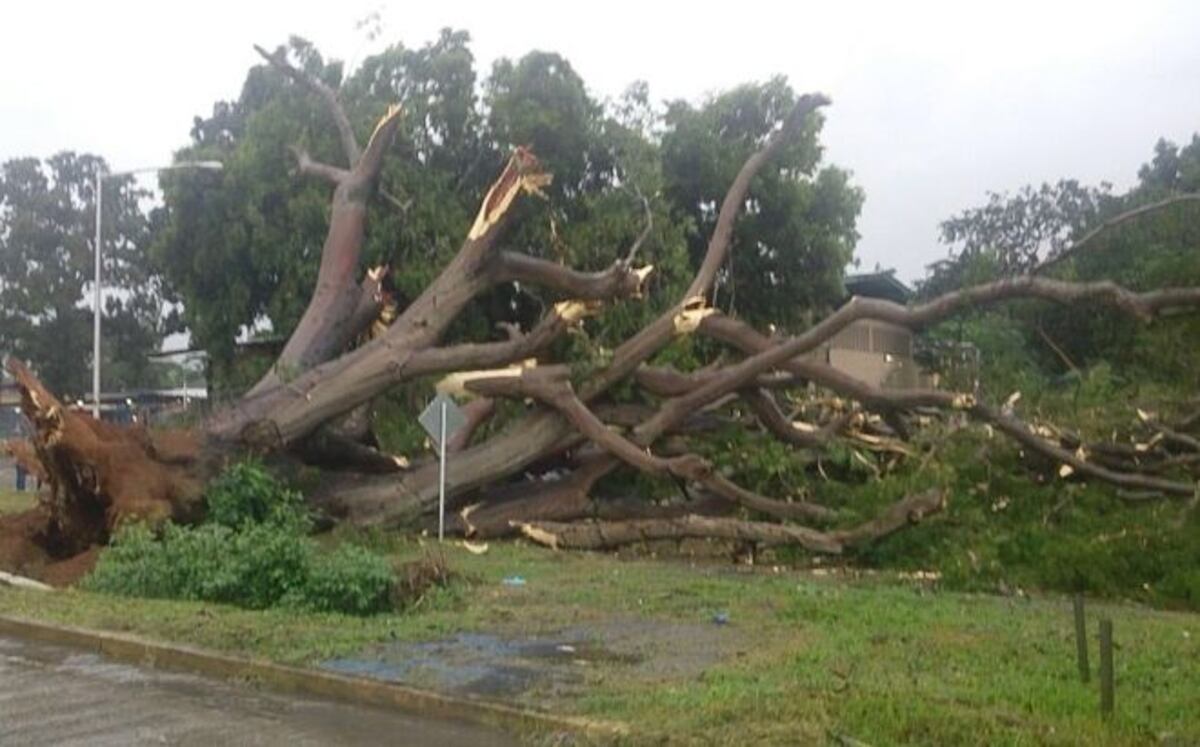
{"x": 67, "y": 572}
{"x": 19, "y": 548}
{"x": 550, "y": 666}
{"x": 661, "y": 650}
{"x": 26, "y": 543}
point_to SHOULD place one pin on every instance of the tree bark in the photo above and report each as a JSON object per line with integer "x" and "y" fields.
{"x": 601, "y": 535}
{"x": 340, "y": 307}
{"x": 403, "y": 500}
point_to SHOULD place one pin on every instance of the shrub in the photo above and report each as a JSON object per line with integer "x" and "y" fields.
{"x": 253, "y": 551}
{"x": 266, "y": 563}
{"x": 254, "y": 567}
{"x": 350, "y": 579}
{"x": 247, "y": 493}
{"x": 134, "y": 565}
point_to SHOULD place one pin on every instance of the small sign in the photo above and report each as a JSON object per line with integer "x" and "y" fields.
{"x": 431, "y": 418}
{"x": 441, "y": 420}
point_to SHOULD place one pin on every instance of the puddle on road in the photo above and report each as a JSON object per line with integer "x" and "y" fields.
{"x": 553, "y": 665}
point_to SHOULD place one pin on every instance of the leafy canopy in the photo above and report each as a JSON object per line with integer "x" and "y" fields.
{"x": 245, "y": 250}
{"x": 1011, "y": 233}
{"x": 47, "y": 234}
{"x": 797, "y": 231}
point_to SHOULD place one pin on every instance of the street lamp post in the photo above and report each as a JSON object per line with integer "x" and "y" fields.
{"x": 96, "y": 310}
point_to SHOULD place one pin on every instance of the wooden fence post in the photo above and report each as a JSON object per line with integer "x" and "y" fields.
{"x": 1106, "y": 668}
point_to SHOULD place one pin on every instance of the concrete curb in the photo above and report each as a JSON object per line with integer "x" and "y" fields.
{"x": 280, "y": 678}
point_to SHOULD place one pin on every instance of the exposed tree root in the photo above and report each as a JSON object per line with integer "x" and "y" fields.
{"x": 97, "y": 476}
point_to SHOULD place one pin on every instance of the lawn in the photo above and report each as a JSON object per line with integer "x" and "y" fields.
{"x": 803, "y": 658}
{"x": 11, "y": 501}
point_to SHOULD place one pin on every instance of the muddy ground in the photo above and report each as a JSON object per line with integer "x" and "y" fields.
{"x": 549, "y": 668}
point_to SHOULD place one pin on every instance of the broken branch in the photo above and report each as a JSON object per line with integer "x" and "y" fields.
{"x": 618, "y": 281}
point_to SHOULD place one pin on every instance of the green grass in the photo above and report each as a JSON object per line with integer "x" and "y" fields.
{"x": 875, "y": 659}
{"x": 12, "y": 502}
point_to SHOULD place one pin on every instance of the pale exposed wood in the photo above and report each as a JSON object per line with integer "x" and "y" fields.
{"x": 20, "y": 582}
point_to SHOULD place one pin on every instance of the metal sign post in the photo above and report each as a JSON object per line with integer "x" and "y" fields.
{"x": 441, "y": 420}
{"x": 442, "y": 476}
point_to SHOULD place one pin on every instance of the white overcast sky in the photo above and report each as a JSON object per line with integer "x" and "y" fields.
{"x": 934, "y": 103}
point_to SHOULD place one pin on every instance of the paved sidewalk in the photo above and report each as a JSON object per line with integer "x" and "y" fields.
{"x": 55, "y": 695}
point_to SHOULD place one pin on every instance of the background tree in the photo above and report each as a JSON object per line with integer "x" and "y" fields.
{"x": 47, "y": 220}
{"x": 798, "y": 230}
{"x": 1022, "y": 229}
{"x": 1150, "y": 243}
{"x": 613, "y": 165}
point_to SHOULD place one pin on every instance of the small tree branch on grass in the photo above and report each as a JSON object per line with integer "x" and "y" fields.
{"x": 1172, "y": 436}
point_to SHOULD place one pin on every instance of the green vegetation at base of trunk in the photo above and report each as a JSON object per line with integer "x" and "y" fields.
{"x": 875, "y": 658}
{"x": 253, "y": 550}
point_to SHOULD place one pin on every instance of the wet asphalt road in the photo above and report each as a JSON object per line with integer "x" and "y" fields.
{"x": 51, "y": 695}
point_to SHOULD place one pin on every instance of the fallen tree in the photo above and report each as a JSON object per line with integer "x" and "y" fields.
{"x": 536, "y": 474}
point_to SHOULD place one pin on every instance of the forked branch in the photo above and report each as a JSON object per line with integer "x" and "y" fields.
{"x": 309, "y": 167}
{"x": 278, "y": 59}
